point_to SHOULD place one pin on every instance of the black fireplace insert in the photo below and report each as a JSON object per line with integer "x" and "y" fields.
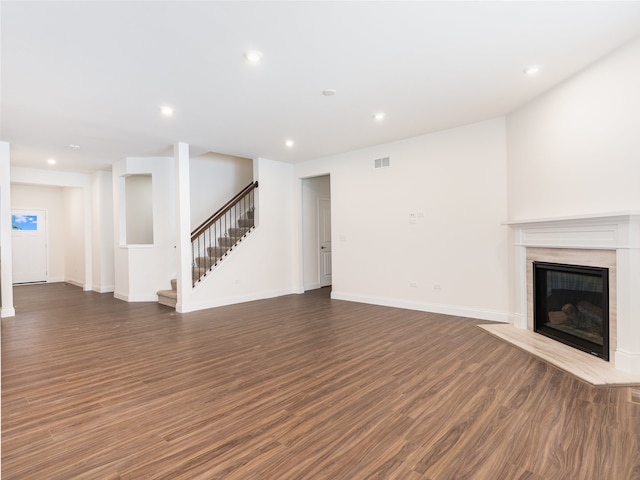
{"x": 571, "y": 305}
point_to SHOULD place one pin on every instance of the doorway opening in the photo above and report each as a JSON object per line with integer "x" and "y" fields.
{"x": 316, "y": 232}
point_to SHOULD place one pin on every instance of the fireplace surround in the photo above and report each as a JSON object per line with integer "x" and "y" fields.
{"x": 607, "y": 241}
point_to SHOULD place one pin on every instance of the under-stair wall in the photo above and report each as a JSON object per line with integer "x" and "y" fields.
{"x": 213, "y": 179}
{"x": 262, "y": 265}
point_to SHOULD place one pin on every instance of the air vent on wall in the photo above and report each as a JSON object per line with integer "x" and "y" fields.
{"x": 381, "y": 162}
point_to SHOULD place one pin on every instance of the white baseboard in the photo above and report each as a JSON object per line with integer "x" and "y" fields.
{"x": 425, "y": 307}
{"x": 136, "y": 298}
{"x": 104, "y": 289}
{"x": 627, "y": 362}
{"x": 77, "y": 283}
{"x": 55, "y": 279}
{"x": 7, "y": 312}
{"x": 221, "y": 302}
{"x": 120, "y": 296}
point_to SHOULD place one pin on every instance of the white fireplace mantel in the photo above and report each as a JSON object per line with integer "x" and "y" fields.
{"x": 618, "y": 232}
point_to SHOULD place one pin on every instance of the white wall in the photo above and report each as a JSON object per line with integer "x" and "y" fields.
{"x": 262, "y": 266}
{"x": 74, "y": 254}
{"x": 50, "y": 199}
{"x": 313, "y": 189}
{"x": 576, "y": 149}
{"x": 215, "y": 179}
{"x": 142, "y": 270}
{"x": 454, "y": 183}
{"x": 6, "y": 276}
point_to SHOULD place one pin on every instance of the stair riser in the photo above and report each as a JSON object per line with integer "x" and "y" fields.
{"x": 169, "y": 302}
{"x": 227, "y": 241}
{"x": 206, "y": 262}
{"x": 237, "y": 232}
{"x": 217, "y": 251}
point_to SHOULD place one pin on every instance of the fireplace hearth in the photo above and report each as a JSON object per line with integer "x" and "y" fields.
{"x": 571, "y": 305}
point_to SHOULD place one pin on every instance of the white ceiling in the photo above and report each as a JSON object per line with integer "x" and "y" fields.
{"x": 96, "y": 73}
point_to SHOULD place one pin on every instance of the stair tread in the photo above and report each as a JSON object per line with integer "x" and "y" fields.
{"x": 167, "y": 293}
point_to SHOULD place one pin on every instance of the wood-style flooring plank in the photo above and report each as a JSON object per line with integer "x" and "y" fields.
{"x": 291, "y": 388}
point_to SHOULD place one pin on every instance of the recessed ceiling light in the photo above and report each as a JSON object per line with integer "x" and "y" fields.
{"x": 289, "y": 143}
{"x": 532, "y": 70}
{"x": 378, "y": 116}
{"x": 51, "y": 161}
{"x": 253, "y": 56}
{"x": 73, "y": 146}
{"x": 329, "y": 92}
{"x": 166, "y": 111}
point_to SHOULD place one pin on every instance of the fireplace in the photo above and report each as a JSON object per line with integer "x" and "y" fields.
{"x": 605, "y": 240}
{"x": 571, "y": 305}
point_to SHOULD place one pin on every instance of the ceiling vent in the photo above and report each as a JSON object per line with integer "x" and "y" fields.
{"x": 381, "y": 162}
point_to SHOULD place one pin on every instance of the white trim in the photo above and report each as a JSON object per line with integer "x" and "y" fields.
{"x": 453, "y": 310}
{"x": 575, "y": 218}
{"x": 77, "y": 283}
{"x": 192, "y": 307}
{"x": 136, "y": 298}
{"x": 104, "y": 289}
{"x": 627, "y": 362}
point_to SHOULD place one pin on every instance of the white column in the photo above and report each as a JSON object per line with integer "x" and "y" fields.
{"x": 183, "y": 224}
{"x": 6, "y": 265}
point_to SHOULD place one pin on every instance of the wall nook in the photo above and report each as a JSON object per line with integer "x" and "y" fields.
{"x": 138, "y": 201}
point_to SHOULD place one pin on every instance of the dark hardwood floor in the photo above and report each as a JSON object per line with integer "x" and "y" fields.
{"x": 297, "y": 387}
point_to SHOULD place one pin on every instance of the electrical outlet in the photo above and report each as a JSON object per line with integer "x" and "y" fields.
{"x": 413, "y": 285}
{"x": 437, "y": 286}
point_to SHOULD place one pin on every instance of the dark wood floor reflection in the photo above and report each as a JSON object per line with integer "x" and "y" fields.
{"x": 297, "y": 387}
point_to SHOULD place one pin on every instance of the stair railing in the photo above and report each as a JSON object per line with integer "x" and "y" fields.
{"x": 221, "y": 232}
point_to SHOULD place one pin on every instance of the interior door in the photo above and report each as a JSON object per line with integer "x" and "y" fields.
{"x": 29, "y": 255}
{"x": 324, "y": 234}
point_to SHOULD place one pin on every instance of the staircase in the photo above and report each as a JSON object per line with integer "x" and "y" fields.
{"x": 214, "y": 240}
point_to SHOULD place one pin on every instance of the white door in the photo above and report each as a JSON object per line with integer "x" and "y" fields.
{"x": 324, "y": 234}
{"x": 29, "y": 247}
